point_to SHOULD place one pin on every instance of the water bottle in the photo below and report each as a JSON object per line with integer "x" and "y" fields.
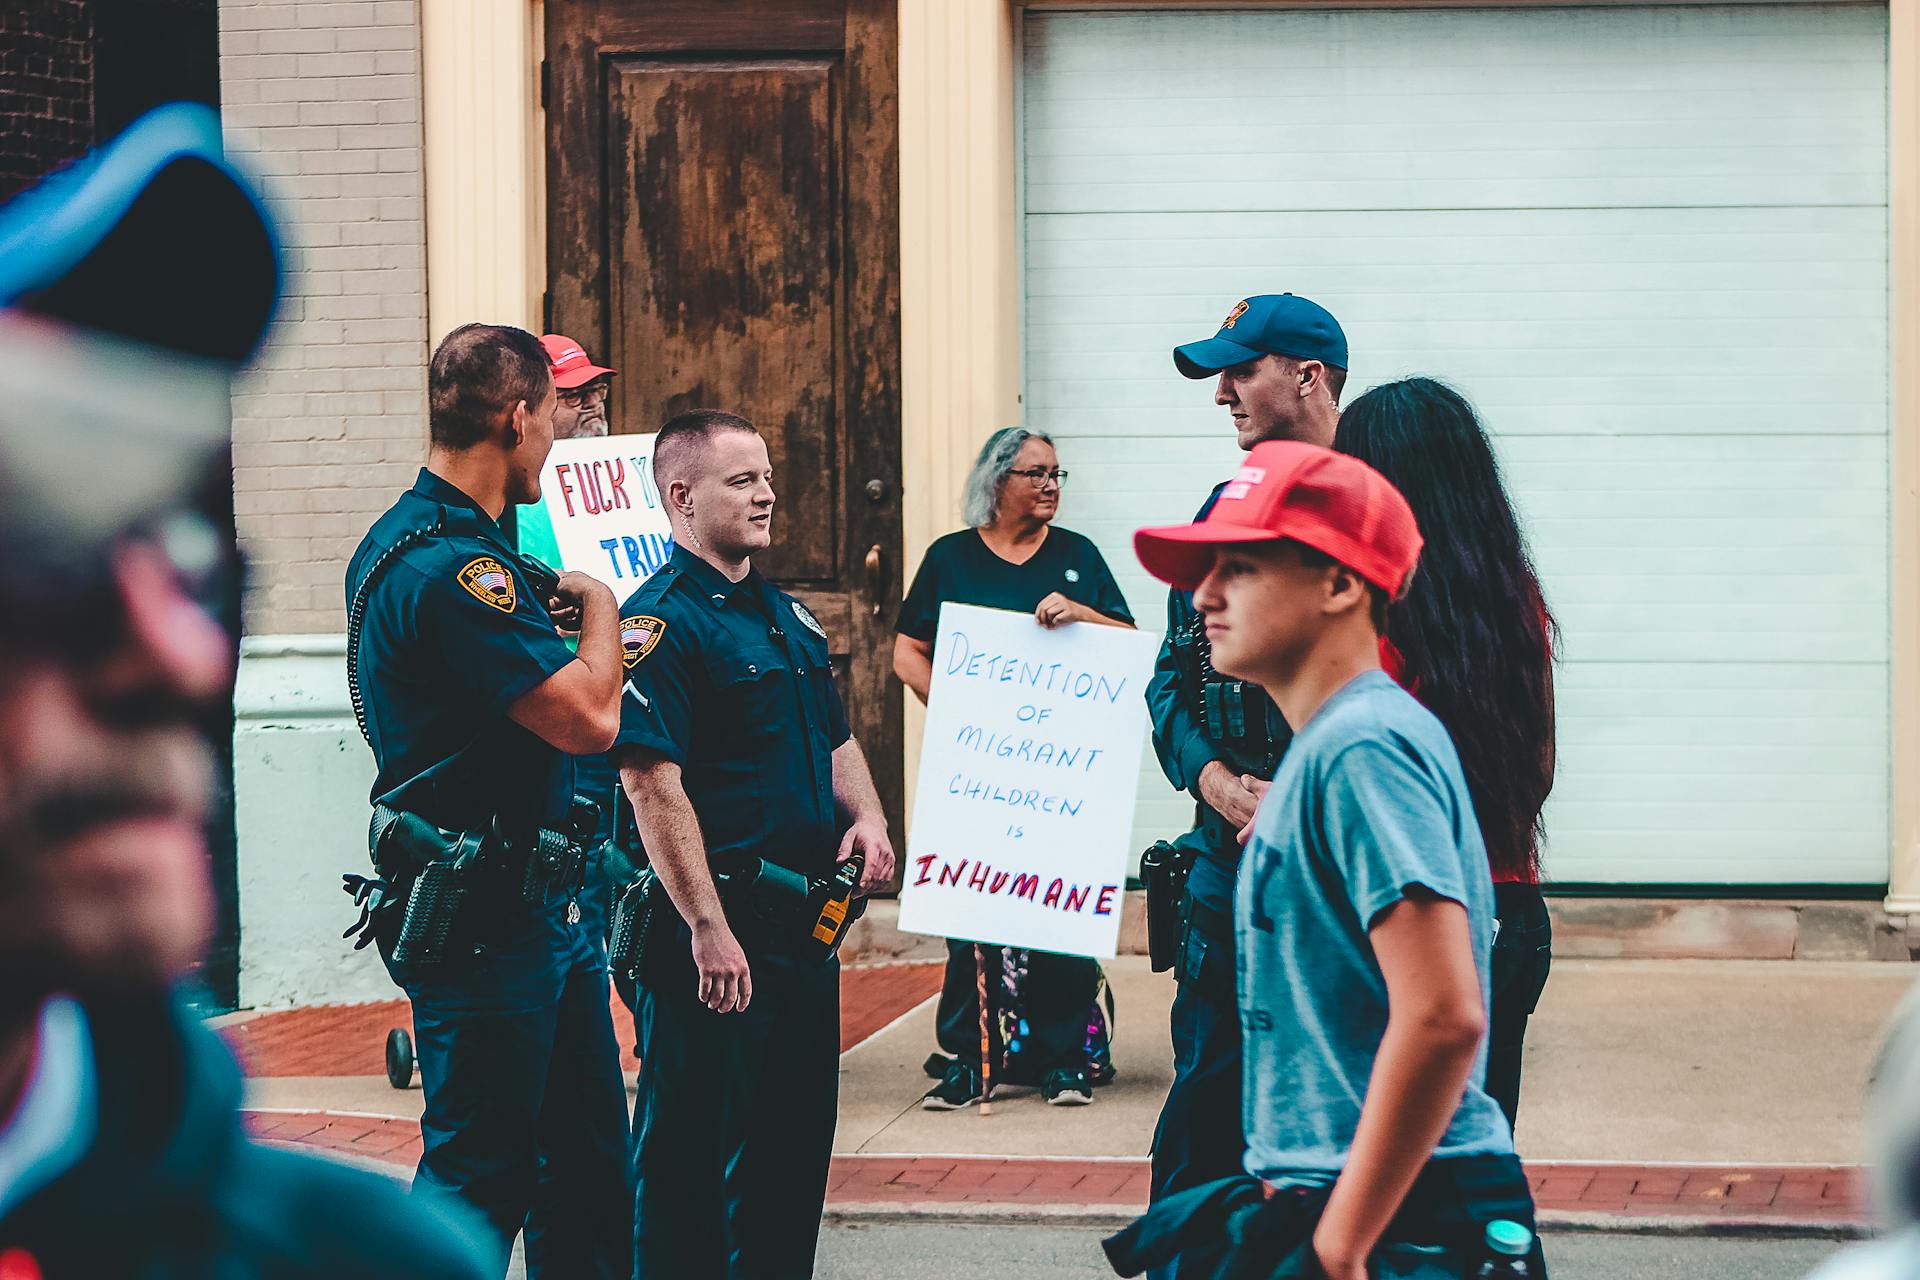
{"x": 1508, "y": 1245}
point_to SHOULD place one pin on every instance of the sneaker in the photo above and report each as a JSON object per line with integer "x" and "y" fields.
{"x": 1066, "y": 1087}
{"x": 960, "y": 1088}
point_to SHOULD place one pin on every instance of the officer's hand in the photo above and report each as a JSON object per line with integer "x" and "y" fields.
{"x": 568, "y": 602}
{"x": 871, "y": 840}
{"x": 726, "y": 983}
{"x": 1057, "y": 609}
{"x": 1234, "y": 796}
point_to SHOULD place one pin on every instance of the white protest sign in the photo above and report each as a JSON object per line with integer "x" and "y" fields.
{"x": 1027, "y": 779}
{"x": 599, "y": 513}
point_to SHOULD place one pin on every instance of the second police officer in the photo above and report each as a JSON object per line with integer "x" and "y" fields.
{"x": 748, "y": 792}
{"x": 472, "y": 703}
{"x": 1280, "y": 362}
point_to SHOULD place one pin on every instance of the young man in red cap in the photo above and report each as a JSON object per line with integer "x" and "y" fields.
{"x": 1364, "y": 910}
{"x": 581, "y": 386}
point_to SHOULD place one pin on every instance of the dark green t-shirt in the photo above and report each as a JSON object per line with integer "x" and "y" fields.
{"x": 961, "y": 568}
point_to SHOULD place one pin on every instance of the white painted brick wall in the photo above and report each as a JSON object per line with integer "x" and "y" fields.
{"x": 325, "y": 100}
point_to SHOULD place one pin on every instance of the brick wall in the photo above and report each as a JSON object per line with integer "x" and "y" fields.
{"x": 325, "y": 97}
{"x": 46, "y": 88}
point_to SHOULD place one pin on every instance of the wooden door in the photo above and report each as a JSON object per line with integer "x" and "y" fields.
{"x": 723, "y": 228}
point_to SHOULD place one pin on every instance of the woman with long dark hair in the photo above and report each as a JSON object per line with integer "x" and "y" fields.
{"x": 1474, "y": 641}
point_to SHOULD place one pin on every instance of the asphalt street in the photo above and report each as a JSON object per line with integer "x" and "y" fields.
{"x": 1034, "y": 1252}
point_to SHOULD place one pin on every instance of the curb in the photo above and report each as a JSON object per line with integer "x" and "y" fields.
{"x": 1576, "y": 1222}
{"x": 981, "y": 1212}
{"x": 1115, "y": 1216}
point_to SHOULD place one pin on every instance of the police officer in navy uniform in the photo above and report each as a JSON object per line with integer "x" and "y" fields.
{"x": 733, "y": 749}
{"x": 1279, "y": 362}
{"x": 472, "y": 704}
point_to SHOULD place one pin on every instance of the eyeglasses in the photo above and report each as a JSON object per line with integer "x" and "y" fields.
{"x": 1039, "y": 477}
{"x": 574, "y": 397}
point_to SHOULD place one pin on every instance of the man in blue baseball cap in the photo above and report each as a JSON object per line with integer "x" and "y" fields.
{"x": 1281, "y": 362}
{"x": 132, "y": 286}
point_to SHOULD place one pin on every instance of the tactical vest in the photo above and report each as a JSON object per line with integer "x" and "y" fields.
{"x": 1238, "y": 718}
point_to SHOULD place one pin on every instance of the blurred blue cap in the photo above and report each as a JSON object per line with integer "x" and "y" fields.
{"x": 132, "y": 285}
{"x": 1277, "y": 324}
{"x": 156, "y": 238}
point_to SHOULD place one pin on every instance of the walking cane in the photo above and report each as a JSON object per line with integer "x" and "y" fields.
{"x": 986, "y": 1058}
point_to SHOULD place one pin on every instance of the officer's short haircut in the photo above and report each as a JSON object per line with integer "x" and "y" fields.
{"x": 684, "y": 436}
{"x": 477, "y": 375}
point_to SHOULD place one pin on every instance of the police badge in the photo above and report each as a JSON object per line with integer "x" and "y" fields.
{"x": 812, "y": 623}
{"x": 488, "y": 581}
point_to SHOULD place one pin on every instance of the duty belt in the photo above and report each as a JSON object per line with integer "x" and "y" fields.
{"x": 438, "y": 873}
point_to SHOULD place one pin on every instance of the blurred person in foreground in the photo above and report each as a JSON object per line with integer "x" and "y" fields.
{"x": 131, "y": 287}
{"x": 1473, "y": 641}
{"x": 1012, "y": 556}
{"x": 1363, "y": 911}
{"x": 1893, "y": 1126}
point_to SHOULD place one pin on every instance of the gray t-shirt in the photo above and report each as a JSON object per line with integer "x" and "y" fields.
{"x": 1369, "y": 801}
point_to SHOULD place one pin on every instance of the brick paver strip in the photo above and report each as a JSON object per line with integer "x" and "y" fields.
{"x": 1824, "y": 1196}
{"x": 350, "y": 1039}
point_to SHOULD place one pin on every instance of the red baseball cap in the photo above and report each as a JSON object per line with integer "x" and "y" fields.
{"x": 569, "y": 362}
{"x": 1286, "y": 489}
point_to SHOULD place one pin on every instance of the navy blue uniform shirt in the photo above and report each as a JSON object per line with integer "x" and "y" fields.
{"x": 1181, "y": 743}
{"x": 453, "y": 635}
{"x": 730, "y": 681}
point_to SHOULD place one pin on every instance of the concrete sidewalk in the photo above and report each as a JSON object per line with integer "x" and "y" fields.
{"x": 1644, "y": 1061}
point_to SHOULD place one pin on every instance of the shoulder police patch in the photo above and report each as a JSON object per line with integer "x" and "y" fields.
{"x": 808, "y": 620}
{"x": 638, "y": 636}
{"x": 488, "y": 581}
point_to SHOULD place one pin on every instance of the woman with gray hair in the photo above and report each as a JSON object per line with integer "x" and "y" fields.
{"x": 1012, "y": 556}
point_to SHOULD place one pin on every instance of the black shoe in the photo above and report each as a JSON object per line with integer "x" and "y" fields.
{"x": 1066, "y": 1087}
{"x": 960, "y": 1088}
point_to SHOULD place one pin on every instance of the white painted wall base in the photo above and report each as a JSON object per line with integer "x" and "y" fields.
{"x": 301, "y": 777}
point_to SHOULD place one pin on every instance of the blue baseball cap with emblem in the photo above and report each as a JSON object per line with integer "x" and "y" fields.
{"x": 134, "y": 284}
{"x": 1267, "y": 324}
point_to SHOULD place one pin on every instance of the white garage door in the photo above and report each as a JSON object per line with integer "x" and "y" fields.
{"x": 1649, "y": 244}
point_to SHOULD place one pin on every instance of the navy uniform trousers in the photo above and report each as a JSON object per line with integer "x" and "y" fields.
{"x": 1199, "y": 1137}
{"x": 518, "y": 1063}
{"x": 733, "y": 1123}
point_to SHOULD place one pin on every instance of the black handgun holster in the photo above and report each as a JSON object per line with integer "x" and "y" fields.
{"x": 1163, "y": 870}
{"x": 636, "y": 918}
{"x": 438, "y": 869}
